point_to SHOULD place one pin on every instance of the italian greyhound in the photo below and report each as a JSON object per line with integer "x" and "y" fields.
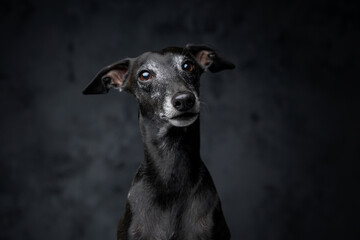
{"x": 172, "y": 196}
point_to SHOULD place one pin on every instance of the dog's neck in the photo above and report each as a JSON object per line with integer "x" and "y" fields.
{"x": 172, "y": 154}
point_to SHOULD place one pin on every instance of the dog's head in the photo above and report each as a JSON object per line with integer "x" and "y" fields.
{"x": 165, "y": 83}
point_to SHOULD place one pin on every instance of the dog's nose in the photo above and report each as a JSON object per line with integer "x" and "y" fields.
{"x": 183, "y": 101}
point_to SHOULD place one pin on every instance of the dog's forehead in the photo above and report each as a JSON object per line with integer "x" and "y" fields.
{"x": 156, "y": 60}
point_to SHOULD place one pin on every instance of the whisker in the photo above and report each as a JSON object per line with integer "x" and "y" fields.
{"x": 204, "y": 105}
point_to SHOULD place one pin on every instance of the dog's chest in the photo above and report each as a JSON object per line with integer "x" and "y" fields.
{"x": 188, "y": 218}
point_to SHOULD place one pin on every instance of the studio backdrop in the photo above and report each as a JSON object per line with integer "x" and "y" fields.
{"x": 279, "y": 133}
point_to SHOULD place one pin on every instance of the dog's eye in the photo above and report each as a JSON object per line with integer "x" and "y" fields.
{"x": 145, "y": 76}
{"x": 187, "y": 66}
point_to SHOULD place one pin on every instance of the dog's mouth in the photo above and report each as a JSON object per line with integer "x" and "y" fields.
{"x": 183, "y": 119}
{"x": 184, "y": 116}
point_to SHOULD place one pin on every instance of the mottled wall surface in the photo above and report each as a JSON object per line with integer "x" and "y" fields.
{"x": 280, "y": 133}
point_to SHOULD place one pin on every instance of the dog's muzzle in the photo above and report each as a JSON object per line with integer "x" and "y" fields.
{"x": 182, "y": 109}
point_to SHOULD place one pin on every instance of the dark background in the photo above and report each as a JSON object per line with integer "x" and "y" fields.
{"x": 280, "y": 133}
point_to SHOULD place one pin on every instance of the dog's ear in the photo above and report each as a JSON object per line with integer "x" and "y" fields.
{"x": 208, "y": 58}
{"x": 112, "y": 76}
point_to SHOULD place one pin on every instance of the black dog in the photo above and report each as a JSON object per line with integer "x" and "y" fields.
{"x": 172, "y": 195}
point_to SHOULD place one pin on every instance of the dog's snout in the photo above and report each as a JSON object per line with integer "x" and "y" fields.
{"x": 183, "y": 101}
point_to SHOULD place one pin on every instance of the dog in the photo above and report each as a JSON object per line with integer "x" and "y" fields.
{"x": 172, "y": 196}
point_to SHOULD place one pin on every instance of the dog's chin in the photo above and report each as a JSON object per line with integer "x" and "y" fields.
{"x": 183, "y": 120}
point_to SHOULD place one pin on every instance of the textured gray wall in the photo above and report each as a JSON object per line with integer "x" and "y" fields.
{"x": 280, "y": 133}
